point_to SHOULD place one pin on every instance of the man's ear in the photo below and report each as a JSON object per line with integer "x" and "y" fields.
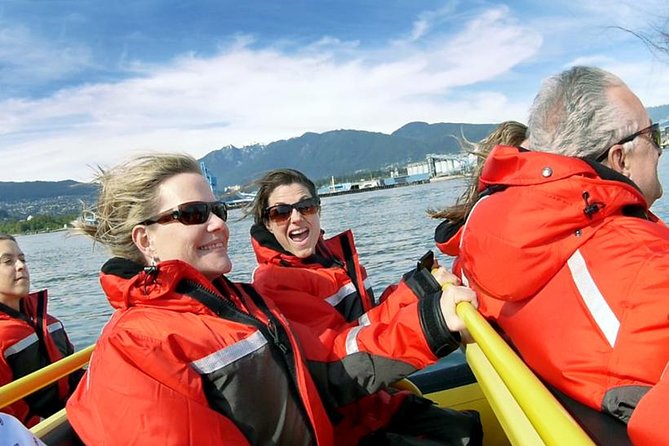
{"x": 617, "y": 159}
{"x": 141, "y": 239}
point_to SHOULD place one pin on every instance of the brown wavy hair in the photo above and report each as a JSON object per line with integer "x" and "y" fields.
{"x": 270, "y": 181}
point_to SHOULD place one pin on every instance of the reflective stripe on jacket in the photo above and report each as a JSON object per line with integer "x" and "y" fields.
{"x": 390, "y": 336}
{"x": 29, "y": 340}
{"x": 574, "y": 268}
{"x": 169, "y": 369}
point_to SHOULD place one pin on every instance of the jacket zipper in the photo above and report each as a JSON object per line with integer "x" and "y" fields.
{"x": 270, "y": 330}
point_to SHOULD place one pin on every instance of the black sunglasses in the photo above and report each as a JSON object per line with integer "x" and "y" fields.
{"x": 282, "y": 212}
{"x": 192, "y": 213}
{"x": 653, "y": 131}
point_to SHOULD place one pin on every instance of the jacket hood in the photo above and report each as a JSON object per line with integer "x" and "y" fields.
{"x": 539, "y": 210}
{"x": 128, "y": 284}
{"x": 268, "y": 250}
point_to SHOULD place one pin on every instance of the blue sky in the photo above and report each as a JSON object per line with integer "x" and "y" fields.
{"x": 89, "y": 82}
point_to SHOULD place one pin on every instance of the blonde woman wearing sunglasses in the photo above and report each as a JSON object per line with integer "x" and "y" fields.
{"x": 189, "y": 357}
{"x": 321, "y": 284}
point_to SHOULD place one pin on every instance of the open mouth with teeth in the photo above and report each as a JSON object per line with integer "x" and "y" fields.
{"x": 212, "y": 246}
{"x": 298, "y": 235}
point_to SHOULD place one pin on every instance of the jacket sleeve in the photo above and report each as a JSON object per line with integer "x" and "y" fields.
{"x": 414, "y": 286}
{"x": 400, "y": 336}
{"x": 647, "y": 425}
{"x": 18, "y": 409}
{"x": 416, "y": 334}
{"x": 135, "y": 393}
{"x": 417, "y": 287}
{"x": 366, "y": 359}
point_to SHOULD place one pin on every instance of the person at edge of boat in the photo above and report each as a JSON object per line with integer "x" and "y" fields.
{"x": 189, "y": 357}
{"x": 575, "y": 273}
{"x": 30, "y": 338}
{"x": 321, "y": 284}
{"x": 14, "y": 433}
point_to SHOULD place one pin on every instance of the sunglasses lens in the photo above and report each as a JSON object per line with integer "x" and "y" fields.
{"x": 194, "y": 213}
{"x": 280, "y": 213}
{"x": 220, "y": 210}
{"x": 656, "y": 135}
{"x": 307, "y": 207}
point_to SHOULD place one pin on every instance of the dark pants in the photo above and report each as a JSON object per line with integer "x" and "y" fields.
{"x": 419, "y": 422}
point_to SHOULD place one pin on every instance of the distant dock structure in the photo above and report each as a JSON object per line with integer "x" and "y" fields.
{"x": 211, "y": 179}
{"x": 438, "y": 165}
{"x": 435, "y": 167}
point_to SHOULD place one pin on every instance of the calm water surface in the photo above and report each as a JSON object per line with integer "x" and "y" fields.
{"x": 391, "y": 228}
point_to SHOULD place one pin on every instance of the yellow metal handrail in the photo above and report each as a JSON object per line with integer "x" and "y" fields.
{"x": 28, "y": 384}
{"x": 552, "y": 422}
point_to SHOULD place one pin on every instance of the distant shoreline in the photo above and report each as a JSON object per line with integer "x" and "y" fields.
{"x": 240, "y": 205}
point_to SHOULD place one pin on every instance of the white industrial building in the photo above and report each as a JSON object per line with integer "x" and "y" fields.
{"x": 436, "y": 165}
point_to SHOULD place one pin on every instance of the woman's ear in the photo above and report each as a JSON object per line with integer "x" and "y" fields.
{"x": 141, "y": 239}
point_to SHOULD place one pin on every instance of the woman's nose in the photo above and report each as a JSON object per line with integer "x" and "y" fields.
{"x": 295, "y": 215}
{"x": 217, "y": 221}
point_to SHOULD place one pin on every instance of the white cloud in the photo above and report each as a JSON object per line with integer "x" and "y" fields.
{"x": 27, "y": 59}
{"x": 627, "y": 13}
{"x": 420, "y": 27}
{"x": 429, "y": 19}
{"x": 245, "y": 95}
{"x": 648, "y": 80}
{"x": 445, "y": 70}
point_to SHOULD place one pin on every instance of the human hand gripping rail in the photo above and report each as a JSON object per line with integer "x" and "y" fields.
{"x": 452, "y": 294}
{"x": 547, "y": 420}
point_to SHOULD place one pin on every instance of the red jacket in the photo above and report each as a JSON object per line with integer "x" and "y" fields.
{"x": 570, "y": 263}
{"x": 169, "y": 369}
{"x": 647, "y": 425}
{"x": 327, "y": 293}
{"x": 29, "y": 340}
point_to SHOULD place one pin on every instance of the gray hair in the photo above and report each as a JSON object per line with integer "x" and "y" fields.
{"x": 573, "y": 115}
{"x": 128, "y": 195}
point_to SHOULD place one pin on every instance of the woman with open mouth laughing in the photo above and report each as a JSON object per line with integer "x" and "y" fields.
{"x": 320, "y": 283}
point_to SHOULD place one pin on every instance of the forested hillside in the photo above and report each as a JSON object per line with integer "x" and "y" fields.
{"x": 341, "y": 152}
{"x": 36, "y": 190}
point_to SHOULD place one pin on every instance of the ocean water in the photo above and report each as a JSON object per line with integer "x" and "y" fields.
{"x": 391, "y": 228}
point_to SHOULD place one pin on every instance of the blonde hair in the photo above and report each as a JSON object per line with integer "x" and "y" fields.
{"x": 127, "y": 196}
{"x": 508, "y": 133}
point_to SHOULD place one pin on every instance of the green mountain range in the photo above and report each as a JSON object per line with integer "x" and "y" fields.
{"x": 338, "y": 152}
{"x": 319, "y": 155}
{"x": 345, "y": 152}
{"x": 341, "y": 152}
